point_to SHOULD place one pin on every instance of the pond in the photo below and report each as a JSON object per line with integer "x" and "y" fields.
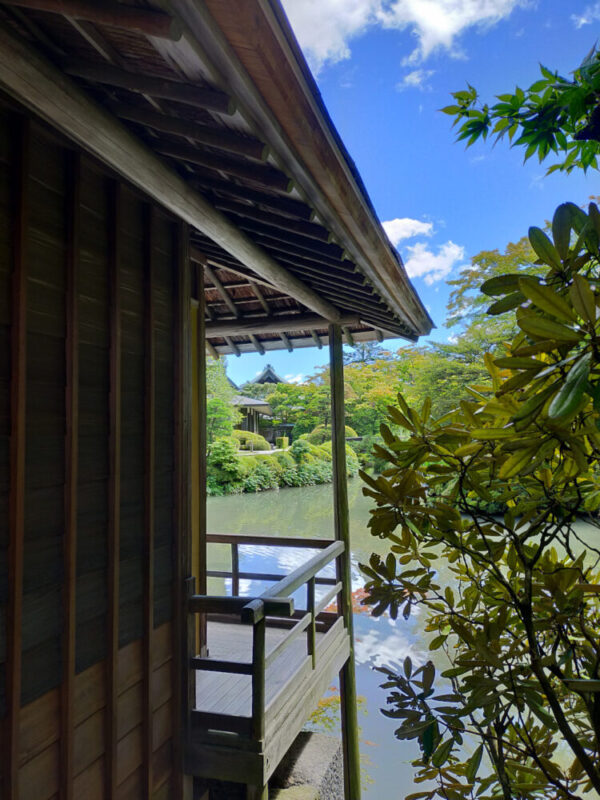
{"x": 308, "y": 512}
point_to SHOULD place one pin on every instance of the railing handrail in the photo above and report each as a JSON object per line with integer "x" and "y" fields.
{"x": 275, "y": 601}
{"x": 267, "y": 541}
{"x": 288, "y": 585}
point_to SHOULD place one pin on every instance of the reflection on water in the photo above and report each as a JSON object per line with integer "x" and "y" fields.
{"x": 308, "y": 512}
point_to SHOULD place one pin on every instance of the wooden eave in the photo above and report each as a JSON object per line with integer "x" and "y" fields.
{"x": 230, "y": 109}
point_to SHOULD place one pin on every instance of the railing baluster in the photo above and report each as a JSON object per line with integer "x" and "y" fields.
{"x": 311, "y": 631}
{"x": 258, "y": 679}
{"x": 235, "y": 569}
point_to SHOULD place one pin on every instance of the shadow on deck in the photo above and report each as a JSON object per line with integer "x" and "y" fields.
{"x": 268, "y": 665}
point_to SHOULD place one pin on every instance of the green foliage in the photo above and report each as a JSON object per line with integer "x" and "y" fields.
{"x": 220, "y": 419}
{"x": 282, "y": 442}
{"x": 366, "y": 353}
{"x": 221, "y": 416}
{"x": 251, "y": 441}
{"x": 554, "y": 115}
{"x": 322, "y": 433}
{"x": 520, "y": 623}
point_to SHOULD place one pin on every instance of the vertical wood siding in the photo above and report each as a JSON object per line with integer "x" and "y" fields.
{"x": 93, "y": 327}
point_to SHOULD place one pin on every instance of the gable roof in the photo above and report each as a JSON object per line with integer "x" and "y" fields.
{"x": 268, "y": 375}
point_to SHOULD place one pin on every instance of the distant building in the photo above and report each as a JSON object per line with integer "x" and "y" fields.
{"x": 251, "y": 410}
{"x": 268, "y": 375}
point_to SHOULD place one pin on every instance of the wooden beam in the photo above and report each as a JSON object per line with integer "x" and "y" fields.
{"x": 278, "y": 203}
{"x": 114, "y": 495}
{"x": 260, "y": 297}
{"x": 41, "y": 87}
{"x": 197, "y": 96}
{"x": 352, "y": 780}
{"x": 262, "y": 174}
{"x": 309, "y": 229}
{"x": 115, "y": 15}
{"x": 221, "y": 290}
{"x": 16, "y": 500}
{"x": 71, "y": 473}
{"x": 233, "y": 346}
{"x": 299, "y": 322}
{"x": 379, "y": 335}
{"x": 220, "y": 138}
{"x": 149, "y": 495}
{"x": 212, "y": 350}
{"x": 257, "y": 344}
{"x": 316, "y": 339}
{"x": 286, "y": 342}
{"x": 348, "y": 335}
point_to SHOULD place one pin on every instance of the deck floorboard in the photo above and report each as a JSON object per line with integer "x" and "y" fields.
{"x": 222, "y": 693}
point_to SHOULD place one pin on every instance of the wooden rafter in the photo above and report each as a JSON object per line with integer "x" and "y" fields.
{"x": 279, "y": 204}
{"x": 223, "y": 293}
{"x": 115, "y": 15}
{"x": 316, "y": 339}
{"x": 286, "y": 342}
{"x": 309, "y": 229}
{"x": 262, "y": 174}
{"x": 228, "y": 141}
{"x": 197, "y": 96}
{"x": 257, "y": 344}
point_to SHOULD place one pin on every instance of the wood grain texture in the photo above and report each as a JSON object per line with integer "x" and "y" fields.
{"x": 149, "y": 475}
{"x": 114, "y": 496}
{"x": 71, "y": 473}
{"x": 18, "y": 390}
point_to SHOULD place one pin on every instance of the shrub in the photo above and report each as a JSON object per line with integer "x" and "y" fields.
{"x": 282, "y": 442}
{"x": 322, "y": 433}
{"x": 251, "y": 441}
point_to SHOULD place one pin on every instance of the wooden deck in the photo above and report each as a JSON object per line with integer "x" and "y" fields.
{"x": 292, "y": 690}
{"x": 220, "y": 693}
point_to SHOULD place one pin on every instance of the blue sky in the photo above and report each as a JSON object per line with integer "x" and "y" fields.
{"x": 384, "y": 68}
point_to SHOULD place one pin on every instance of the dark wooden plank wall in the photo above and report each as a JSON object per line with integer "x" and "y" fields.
{"x": 76, "y": 352}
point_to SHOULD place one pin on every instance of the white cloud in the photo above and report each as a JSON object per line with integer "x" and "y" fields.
{"x": 424, "y": 263}
{"x": 325, "y": 28}
{"x": 291, "y": 378}
{"x": 589, "y": 15}
{"x": 405, "y": 228}
{"x": 417, "y": 79}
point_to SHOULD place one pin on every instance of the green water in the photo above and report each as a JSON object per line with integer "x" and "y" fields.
{"x": 308, "y": 512}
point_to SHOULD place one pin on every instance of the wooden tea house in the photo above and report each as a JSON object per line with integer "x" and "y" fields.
{"x": 170, "y": 183}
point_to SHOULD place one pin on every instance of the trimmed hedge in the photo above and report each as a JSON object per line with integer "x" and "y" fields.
{"x": 303, "y": 464}
{"x": 251, "y": 441}
{"x": 322, "y": 434}
{"x": 282, "y": 442}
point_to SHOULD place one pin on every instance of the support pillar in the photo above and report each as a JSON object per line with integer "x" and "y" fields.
{"x": 352, "y": 787}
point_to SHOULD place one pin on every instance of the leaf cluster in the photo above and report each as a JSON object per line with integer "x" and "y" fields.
{"x": 555, "y": 115}
{"x": 519, "y": 625}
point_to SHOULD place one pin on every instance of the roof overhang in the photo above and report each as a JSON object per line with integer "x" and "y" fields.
{"x": 224, "y": 126}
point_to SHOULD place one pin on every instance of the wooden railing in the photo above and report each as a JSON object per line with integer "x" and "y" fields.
{"x": 274, "y": 604}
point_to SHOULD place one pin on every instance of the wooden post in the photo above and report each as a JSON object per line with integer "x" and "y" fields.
{"x": 311, "y": 631}
{"x": 235, "y": 570}
{"x": 71, "y": 474}
{"x": 182, "y": 511}
{"x": 114, "y": 496}
{"x": 16, "y": 502}
{"x": 149, "y": 515}
{"x": 342, "y": 531}
{"x": 258, "y": 679}
{"x": 202, "y": 564}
